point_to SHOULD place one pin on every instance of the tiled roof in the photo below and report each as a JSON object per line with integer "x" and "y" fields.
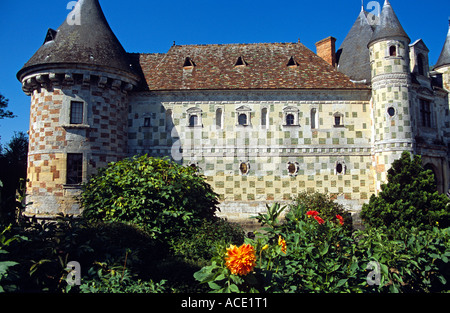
{"x": 265, "y": 67}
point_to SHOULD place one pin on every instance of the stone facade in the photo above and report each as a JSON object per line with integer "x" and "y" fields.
{"x": 261, "y": 122}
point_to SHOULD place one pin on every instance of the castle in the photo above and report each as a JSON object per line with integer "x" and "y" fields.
{"x": 262, "y": 122}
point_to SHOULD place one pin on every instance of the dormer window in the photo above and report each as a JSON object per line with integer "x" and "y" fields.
{"x": 188, "y": 64}
{"x": 421, "y": 64}
{"x": 240, "y": 62}
{"x": 51, "y": 35}
{"x": 393, "y": 51}
{"x": 292, "y": 62}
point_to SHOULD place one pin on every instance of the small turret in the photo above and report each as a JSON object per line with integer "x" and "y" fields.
{"x": 78, "y": 81}
{"x": 442, "y": 66}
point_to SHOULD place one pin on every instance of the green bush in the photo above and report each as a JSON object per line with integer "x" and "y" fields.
{"x": 162, "y": 196}
{"x": 327, "y": 257}
{"x": 409, "y": 199}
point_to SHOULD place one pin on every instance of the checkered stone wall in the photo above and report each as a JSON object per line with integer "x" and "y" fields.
{"x": 218, "y": 145}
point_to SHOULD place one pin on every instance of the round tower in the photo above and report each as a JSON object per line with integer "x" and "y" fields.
{"x": 78, "y": 82}
{"x": 389, "y": 57}
{"x": 443, "y": 64}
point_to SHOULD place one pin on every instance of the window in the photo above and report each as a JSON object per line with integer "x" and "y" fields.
{"x": 421, "y": 64}
{"x": 74, "y": 168}
{"x": 340, "y": 168}
{"x": 169, "y": 120}
{"x": 338, "y": 120}
{"x": 147, "y": 122}
{"x": 194, "y": 117}
{"x": 76, "y": 112}
{"x": 291, "y": 116}
{"x": 219, "y": 114}
{"x": 243, "y": 114}
{"x": 314, "y": 120}
{"x": 193, "y": 120}
{"x": 290, "y": 119}
{"x": 292, "y": 168}
{"x": 393, "y": 51}
{"x": 244, "y": 168}
{"x": 292, "y": 62}
{"x": 264, "y": 117}
{"x": 391, "y": 111}
{"x": 188, "y": 63}
{"x": 425, "y": 113}
{"x": 242, "y": 120}
{"x": 240, "y": 62}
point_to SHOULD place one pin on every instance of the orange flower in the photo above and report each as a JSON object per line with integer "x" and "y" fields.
{"x": 312, "y": 213}
{"x": 240, "y": 261}
{"x": 282, "y": 243}
{"x": 341, "y": 219}
{"x": 319, "y": 220}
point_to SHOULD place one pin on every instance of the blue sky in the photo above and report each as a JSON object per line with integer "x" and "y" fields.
{"x": 151, "y": 26}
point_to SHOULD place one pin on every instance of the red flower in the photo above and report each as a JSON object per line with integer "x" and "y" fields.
{"x": 319, "y": 220}
{"x": 341, "y": 219}
{"x": 312, "y": 213}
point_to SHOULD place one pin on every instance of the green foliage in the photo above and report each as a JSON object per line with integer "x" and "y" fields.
{"x": 164, "y": 197}
{"x": 408, "y": 199}
{"x": 331, "y": 258}
{"x": 5, "y": 266}
{"x": 3, "y": 105}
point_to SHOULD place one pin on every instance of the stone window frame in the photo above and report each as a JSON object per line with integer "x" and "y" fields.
{"x": 390, "y": 45}
{"x": 219, "y": 120}
{"x": 66, "y": 111}
{"x": 314, "y": 118}
{"x": 341, "y": 117}
{"x": 247, "y": 111}
{"x": 79, "y": 178}
{"x": 343, "y": 167}
{"x": 297, "y": 168}
{"x": 295, "y": 112}
{"x": 264, "y": 117}
{"x": 194, "y": 112}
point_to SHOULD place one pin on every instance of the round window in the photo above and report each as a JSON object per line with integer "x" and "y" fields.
{"x": 391, "y": 111}
{"x": 243, "y": 168}
{"x": 292, "y": 169}
{"x": 339, "y": 168}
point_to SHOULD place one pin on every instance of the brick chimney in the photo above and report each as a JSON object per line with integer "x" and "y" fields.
{"x": 326, "y": 49}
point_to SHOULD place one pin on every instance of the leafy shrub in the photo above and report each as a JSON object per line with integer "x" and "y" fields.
{"x": 309, "y": 253}
{"x": 409, "y": 199}
{"x": 164, "y": 197}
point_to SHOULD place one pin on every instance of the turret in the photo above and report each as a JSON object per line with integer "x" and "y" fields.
{"x": 78, "y": 81}
{"x": 443, "y": 64}
{"x": 389, "y": 57}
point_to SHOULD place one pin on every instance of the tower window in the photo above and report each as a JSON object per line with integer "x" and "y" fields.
{"x": 393, "y": 51}
{"x": 74, "y": 168}
{"x": 340, "y": 168}
{"x": 147, "y": 122}
{"x": 76, "y": 112}
{"x": 292, "y": 168}
{"x": 391, "y": 111}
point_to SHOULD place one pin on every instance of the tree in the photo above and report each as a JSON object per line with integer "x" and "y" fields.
{"x": 3, "y": 105}
{"x": 13, "y": 165}
{"x": 410, "y": 198}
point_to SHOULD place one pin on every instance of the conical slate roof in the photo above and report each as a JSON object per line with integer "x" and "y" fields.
{"x": 444, "y": 58}
{"x": 389, "y": 26}
{"x": 91, "y": 43}
{"x": 353, "y": 55}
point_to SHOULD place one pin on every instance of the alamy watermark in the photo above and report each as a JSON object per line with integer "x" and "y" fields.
{"x": 374, "y": 277}
{"x": 74, "y": 273}
{"x": 74, "y": 17}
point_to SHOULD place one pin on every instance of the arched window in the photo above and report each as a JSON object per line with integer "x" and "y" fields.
{"x": 393, "y": 51}
{"x": 314, "y": 121}
{"x": 219, "y": 114}
{"x": 193, "y": 120}
{"x": 290, "y": 119}
{"x": 242, "y": 120}
{"x": 264, "y": 117}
